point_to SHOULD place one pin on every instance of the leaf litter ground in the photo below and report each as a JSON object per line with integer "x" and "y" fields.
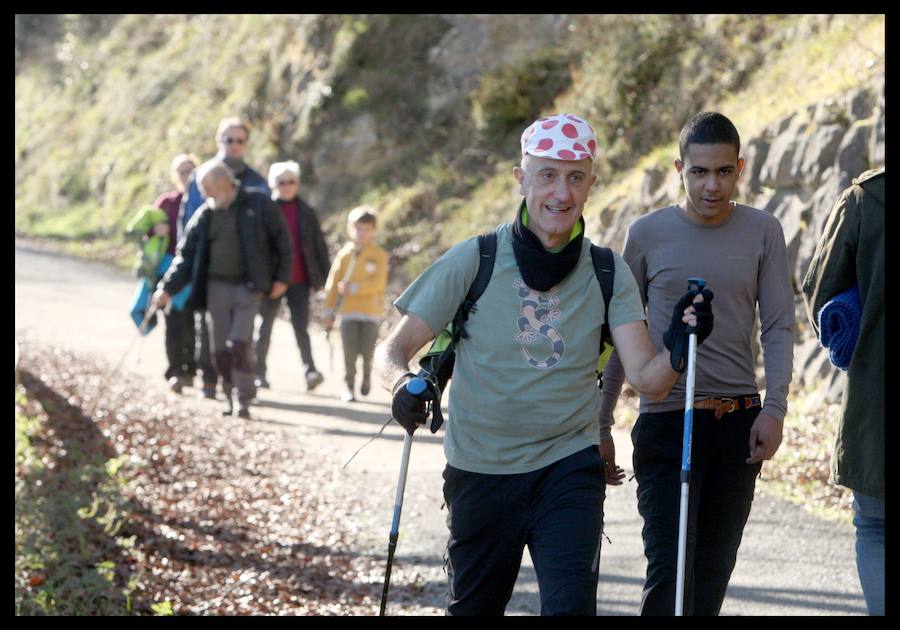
{"x": 227, "y": 517}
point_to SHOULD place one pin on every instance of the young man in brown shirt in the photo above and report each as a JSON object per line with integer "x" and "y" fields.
{"x": 741, "y": 251}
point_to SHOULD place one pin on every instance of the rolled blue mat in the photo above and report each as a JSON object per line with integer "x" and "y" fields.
{"x": 839, "y": 326}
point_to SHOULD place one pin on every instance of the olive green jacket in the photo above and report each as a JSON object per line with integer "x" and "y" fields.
{"x": 851, "y": 251}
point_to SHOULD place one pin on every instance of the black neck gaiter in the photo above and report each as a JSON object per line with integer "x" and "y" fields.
{"x": 542, "y": 270}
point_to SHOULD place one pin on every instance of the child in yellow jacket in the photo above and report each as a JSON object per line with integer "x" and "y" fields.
{"x": 355, "y": 291}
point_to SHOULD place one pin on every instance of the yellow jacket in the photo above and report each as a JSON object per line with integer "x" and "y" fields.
{"x": 365, "y": 285}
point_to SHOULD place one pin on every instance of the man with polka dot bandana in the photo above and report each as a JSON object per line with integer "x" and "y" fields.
{"x": 527, "y": 463}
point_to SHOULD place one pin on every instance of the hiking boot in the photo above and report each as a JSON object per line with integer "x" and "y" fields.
{"x": 347, "y": 395}
{"x": 313, "y": 380}
{"x": 243, "y": 410}
{"x": 261, "y": 382}
{"x": 228, "y": 406}
{"x": 175, "y": 384}
{"x": 209, "y": 391}
{"x": 365, "y": 386}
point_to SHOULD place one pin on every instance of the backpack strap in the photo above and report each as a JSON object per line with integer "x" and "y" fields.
{"x": 487, "y": 252}
{"x": 605, "y": 268}
{"x": 439, "y": 359}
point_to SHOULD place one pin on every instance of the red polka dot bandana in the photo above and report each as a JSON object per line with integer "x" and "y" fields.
{"x": 560, "y": 137}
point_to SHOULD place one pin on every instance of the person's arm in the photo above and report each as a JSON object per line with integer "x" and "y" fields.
{"x": 179, "y": 272}
{"x": 651, "y": 372}
{"x": 334, "y": 276}
{"x": 392, "y": 355}
{"x": 613, "y": 379}
{"x": 776, "y": 319}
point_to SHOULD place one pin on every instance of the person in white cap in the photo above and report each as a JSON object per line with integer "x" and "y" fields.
{"x": 525, "y": 464}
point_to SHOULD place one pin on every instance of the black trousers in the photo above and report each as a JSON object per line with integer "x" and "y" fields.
{"x": 181, "y": 346}
{"x": 719, "y": 499}
{"x": 557, "y": 511}
{"x": 298, "y": 302}
{"x": 179, "y": 355}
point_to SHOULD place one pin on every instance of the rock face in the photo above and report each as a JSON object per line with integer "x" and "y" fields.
{"x": 306, "y": 72}
{"x": 796, "y": 169}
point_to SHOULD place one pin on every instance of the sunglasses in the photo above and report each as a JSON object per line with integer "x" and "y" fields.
{"x": 286, "y": 182}
{"x": 234, "y": 140}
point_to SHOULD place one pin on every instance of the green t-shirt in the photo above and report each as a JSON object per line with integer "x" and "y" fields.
{"x": 524, "y": 391}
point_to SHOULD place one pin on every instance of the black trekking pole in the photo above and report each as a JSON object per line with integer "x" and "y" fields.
{"x": 416, "y": 387}
{"x": 694, "y": 284}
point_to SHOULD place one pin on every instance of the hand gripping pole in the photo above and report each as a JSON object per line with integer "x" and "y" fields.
{"x": 694, "y": 284}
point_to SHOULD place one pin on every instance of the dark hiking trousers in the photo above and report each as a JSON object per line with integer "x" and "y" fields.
{"x": 557, "y": 511}
{"x": 202, "y": 353}
{"x": 719, "y": 499}
{"x": 181, "y": 346}
{"x": 196, "y": 354}
{"x": 180, "y": 357}
{"x": 298, "y": 302}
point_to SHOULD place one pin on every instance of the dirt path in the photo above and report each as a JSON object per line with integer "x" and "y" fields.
{"x": 790, "y": 563}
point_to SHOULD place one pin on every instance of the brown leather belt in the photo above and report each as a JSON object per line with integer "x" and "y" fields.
{"x": 727, "y": 405}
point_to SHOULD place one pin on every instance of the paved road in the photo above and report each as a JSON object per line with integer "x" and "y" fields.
{"x": 790, "y": 563}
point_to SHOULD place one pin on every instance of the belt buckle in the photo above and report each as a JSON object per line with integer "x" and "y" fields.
{"x": 721, "y": 410}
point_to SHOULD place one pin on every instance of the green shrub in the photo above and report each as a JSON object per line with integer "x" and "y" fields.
{"x": 355, "y": 98}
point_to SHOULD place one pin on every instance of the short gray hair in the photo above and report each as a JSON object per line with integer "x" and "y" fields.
{"x": 218, "y": 169}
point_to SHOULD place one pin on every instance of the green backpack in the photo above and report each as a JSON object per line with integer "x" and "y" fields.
{"x": 437, "y": 364}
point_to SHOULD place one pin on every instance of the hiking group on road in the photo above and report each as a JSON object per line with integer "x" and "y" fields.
{"x": 528, "y": 442}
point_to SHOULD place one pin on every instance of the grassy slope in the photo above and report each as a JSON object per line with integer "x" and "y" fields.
{"x": 94, "y": 136}
{"x": 95, "y": 133}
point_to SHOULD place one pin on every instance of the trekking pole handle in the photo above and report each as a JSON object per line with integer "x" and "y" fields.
{"x": 696, "y": 284}
{"x": 416, "y": 386}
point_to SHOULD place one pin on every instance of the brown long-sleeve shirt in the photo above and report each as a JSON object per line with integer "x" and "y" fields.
{"x": 744, "y": 262}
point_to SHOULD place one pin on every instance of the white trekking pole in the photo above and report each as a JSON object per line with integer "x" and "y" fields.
{"x": 694, "y": 284}
{"x": 416, "y": 387}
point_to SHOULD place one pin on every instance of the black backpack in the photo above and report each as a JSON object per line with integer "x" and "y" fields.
{"x": 437, "y": 364}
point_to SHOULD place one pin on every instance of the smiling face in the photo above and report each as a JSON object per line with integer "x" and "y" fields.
{"x": 555, "y": 192}
{"x": 710, "y": 174}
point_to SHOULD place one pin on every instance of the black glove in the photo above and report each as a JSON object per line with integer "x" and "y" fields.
{"x": 408, "y": 409}
{"x": 676, "y": 338}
